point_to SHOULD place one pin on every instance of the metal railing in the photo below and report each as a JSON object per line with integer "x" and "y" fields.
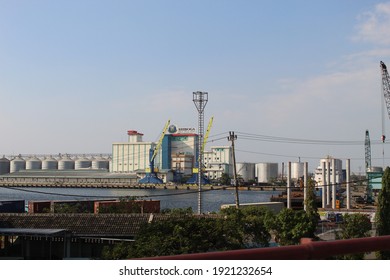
{"x": 307, "y": 250}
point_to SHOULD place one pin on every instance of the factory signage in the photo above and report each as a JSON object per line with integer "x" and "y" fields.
{"x": 186, "y": 130}
{"x": 181, "y": 130}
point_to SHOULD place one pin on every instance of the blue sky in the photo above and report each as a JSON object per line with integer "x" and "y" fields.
{"x": 76, "y": 75}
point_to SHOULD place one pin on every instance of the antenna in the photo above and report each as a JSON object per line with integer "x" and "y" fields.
{"x": 200, "y": 100}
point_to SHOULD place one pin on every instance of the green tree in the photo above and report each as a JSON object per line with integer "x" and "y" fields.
{"x": 225, "y": 179}
{"x": 181, "y": 232}
{"x": 249, "y": 224}
{"x": 311, "y": 208}
{"x": 354, "y": 226}
{"x": 289, "y": 226}
{"x": 382, "y": 216}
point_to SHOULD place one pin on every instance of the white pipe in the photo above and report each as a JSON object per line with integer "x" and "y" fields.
{"x": 305, "y": 179}
{"x": 328, "y": 183}
{"x": 323, "y": 184}
{"x": 289, "y": 184}
{"x": 333, "y": 183}
{"x": 348, "y": 171}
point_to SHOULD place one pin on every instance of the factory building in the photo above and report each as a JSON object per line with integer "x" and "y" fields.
{"x": 218, "y": 161}
{"x": 184, "y": 149}
{"x": 128, "y": 157}
{"x": 177, "y": 153}
{"x": 329, "y": 170}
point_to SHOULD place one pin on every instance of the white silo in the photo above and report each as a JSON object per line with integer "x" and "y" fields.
{"x": 66, "y": 163}
{"x": 49, "y": 163}
{"x": 246, "y": 171}
{"x": 17, "y": 164}
{"x": 266, "y": 172}
{"x": 4, "y": 165}
{"x": 82, "y": 163}
{"x": 100, "y": 163}
{"x": 297, "y": 169}
{"x": 33, "y": 163}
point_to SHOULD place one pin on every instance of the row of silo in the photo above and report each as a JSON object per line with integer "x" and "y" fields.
{"x": 266, "y": 172}
{"x": 51, "y": 163}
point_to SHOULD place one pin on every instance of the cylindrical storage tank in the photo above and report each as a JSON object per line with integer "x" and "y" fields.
{"x": 49, "y": 163}
{"x": 100, "y": 163}
{"x": 297, "y": 170}
{"x": 82, "y": 163}
{"x": 266, "y": 172}
{"x": 4, "y": 165}
{"x": 66, "y": 163}
{"x": 246, "y": 171}
{"x": 17, "y": 164}
{"x": 33, "y": 163}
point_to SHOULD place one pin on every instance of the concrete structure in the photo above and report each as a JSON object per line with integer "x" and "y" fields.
{"x": 183, "y": 163}
{"x": 128, "y": 157}
{"x": 337, "y": 175}
{"x": 217, "y": 161}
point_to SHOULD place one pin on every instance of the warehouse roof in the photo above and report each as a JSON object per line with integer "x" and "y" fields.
{"x": 31, "y": 232}
{"x": 86, "y": 225}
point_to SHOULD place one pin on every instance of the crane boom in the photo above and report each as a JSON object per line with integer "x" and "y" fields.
{"x": 386, "y": 94}
{"x": 207, "y": 133}
{"x": 160, "y": 140}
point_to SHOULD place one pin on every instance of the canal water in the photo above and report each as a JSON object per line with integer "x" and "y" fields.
{"x": 211, "y": 199}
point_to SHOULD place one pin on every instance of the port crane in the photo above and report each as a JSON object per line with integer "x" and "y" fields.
{"x": 151, "y": 173}
{"x": 386, "y": 95}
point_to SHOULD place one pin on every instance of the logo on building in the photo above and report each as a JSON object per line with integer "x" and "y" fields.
{"x": 172, "y": 128}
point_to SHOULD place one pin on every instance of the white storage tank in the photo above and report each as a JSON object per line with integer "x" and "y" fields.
{"x": 100, "y": 163}
{"x": 33, "y": 163}
{"x": 246, "y": 171}
{"x": 66, "y": 163}
{"x": 82, "y": 163}
{"x": 49, "y": 163}
{"x": 266, "y": 172}
{"x": 4, "y": 165}
{"x": 17, "y": 164}
{"x": 297, "y": 170}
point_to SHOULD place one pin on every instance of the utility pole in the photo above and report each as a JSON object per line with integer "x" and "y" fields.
{"x": 232, "y": 137}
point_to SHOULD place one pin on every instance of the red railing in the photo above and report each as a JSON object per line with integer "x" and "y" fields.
{"x": 308, "y": 249}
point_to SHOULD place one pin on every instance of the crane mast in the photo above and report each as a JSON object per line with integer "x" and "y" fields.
{"x": 367, "y": 146}
{"x": 386, "y": 95}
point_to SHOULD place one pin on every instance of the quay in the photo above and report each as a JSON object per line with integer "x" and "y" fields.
{"x": 102, "y": 179}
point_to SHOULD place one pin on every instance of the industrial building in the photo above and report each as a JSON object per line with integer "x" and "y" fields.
{"x": 333, "y": 169}
{"x": 175, "y": 158}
